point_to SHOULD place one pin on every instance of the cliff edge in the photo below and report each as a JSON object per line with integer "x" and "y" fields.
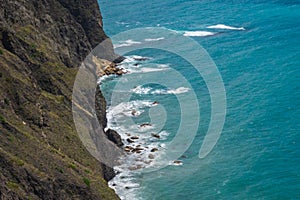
{"x": 42, "y": 44}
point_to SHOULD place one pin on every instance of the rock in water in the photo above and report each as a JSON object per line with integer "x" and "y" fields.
{"x": 134, "y": 137}
{"x": 156, "y": 135}
{"x": 113, "y": 136}
{"x": 130, "y": 140}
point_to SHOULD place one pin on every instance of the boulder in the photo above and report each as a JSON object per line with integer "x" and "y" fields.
{"x": 113, "y": 136}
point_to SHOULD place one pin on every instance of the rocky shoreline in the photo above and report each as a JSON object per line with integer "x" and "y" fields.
{"x": 141, "y": 150}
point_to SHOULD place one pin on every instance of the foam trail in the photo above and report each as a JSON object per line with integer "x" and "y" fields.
{"x": 126, "y": 43}
{"x": 198, "y": 33}
{"x": 154, "y": 39}
{"x": 222, "y": 26}
{"x": 149, "y": 90}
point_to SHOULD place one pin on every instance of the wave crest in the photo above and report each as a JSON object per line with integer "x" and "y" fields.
{"x": 223, "y": 26}
{"x": 198, "y": 33}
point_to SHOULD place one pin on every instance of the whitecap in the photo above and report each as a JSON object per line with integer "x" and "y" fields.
{"x": 163, "y": 65}
{"x": 154, "y": 39}
{"x": 126, "y": 43}
{"x": 148, "y": 69}
{"x": 179, "y": 90}
{"x": 222, "y": 26}
{"x": 148, "y": 90}
{"x": 198, "y": 33}
{"x": 141, "y": 90}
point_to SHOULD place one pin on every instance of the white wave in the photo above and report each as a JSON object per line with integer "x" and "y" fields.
{"x": 154, "y": 39}
{"x": 141, "y": 90}
{"x": 198, "y": 33}
{"x": 222, "y": 26}
{"x": 163, "y": 65}
{"x": 126, "y": 108}
{"x": 179, "y": 90}
{"x": 135, "y": 57}
{"x": 126, "y": 43}
{"x": 149, "y": 90}
{"x": 145, "y": 70}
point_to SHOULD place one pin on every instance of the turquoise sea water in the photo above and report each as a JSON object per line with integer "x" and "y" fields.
{"x": 258, "y": 153}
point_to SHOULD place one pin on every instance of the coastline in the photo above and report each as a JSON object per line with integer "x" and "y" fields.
{"x": 143, "y": 143}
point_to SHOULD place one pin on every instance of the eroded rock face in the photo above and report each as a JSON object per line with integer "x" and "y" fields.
{"x": 42, "y": 44}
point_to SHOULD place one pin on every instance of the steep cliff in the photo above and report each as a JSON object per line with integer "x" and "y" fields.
{"x": 42, "y": 44}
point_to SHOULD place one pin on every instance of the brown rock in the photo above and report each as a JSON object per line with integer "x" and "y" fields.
{"x": 151, "y": 156}
{"x": 154, "y": 149}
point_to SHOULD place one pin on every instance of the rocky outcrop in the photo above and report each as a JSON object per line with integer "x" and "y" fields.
{"x": 42, "y": 44}
{"x": 113, "y": 136}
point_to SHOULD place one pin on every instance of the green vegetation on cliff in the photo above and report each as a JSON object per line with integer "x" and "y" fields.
{"x": 42, "y": 44}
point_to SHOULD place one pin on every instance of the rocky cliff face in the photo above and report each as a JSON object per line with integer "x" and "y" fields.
{"x": 42, "y": 44}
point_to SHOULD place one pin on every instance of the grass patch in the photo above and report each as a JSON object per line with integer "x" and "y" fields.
{"x": 6, "y": 101}
{"x": 57, "y": 98}
{"x": 87, "y": 181}
{"x": 2, "y": 119}
{"x": 18, "y": 161}
{"x": 11, "y": 185}
{"x": 10, "y": 138}
{"x": 72, "y": 166}
{"x": 60, "y": 169}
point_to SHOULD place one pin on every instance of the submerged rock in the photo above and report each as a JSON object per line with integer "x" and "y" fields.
{"x": 151, "y": 156}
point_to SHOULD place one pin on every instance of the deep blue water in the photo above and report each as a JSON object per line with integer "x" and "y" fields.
{"x": 258, "y": 153}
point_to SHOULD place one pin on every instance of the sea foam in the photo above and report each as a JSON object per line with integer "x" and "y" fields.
{"x": 198, "y": 33}
{"x": 126, "y": 43}
{"x": 148, "y": 90}
{"x": 222, "y": 26}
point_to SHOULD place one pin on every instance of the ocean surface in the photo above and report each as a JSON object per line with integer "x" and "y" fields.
{"x": 255, "y": 46}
